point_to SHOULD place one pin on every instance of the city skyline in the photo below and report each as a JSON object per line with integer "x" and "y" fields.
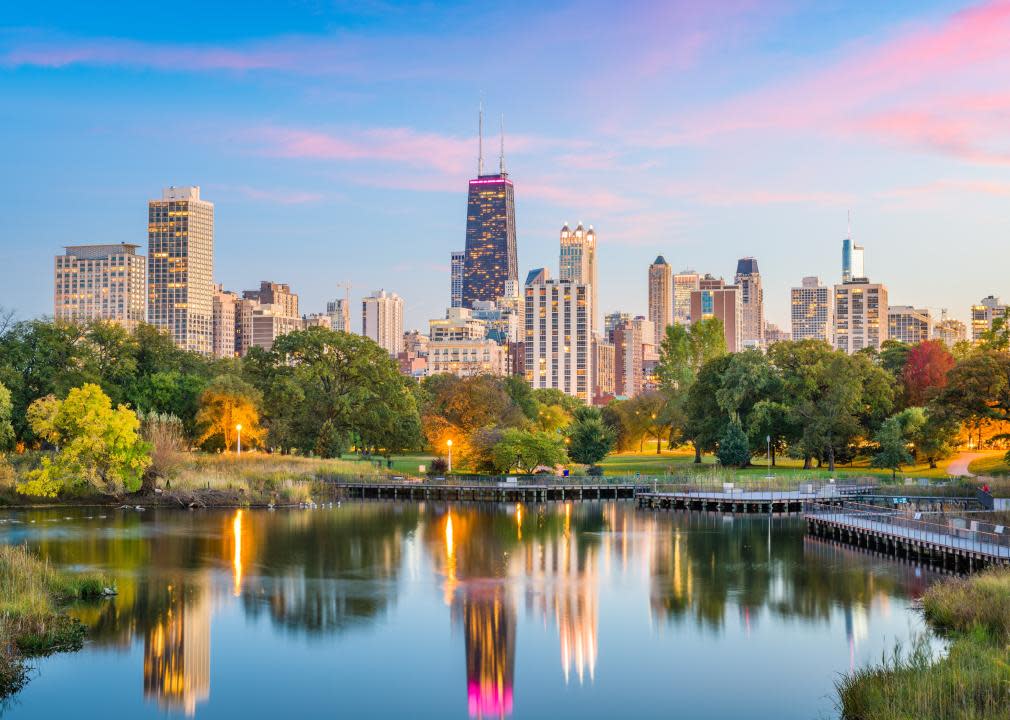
{"x": 918, "y": 170}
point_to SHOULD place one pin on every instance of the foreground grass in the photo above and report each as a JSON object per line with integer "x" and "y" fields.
{"x": 31, "y": 622}
{"x": 990, "y": 465}
{"x": 972, "y": 681}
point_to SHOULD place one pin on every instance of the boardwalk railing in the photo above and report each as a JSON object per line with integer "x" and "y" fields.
{"x": 489, "y": 481}
{"x": 765, "y": 489}
{"x": 937, "y": 529}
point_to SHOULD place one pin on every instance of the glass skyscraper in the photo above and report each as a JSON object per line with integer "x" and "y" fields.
{"x": 490, "y": 260}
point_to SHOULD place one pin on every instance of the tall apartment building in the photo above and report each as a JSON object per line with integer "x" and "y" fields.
{"x": 860, "y": 315}
{"x": 100, "y": 282}
{"x": 180, "y": 267}
{"x": 949, "y": 330}
{"x": 225, "y": 322}
{"x": 465, "y": 358}
{"x": 752, "y": 299}
{"x": 502, "y": 320}
{"x": 716, "y": 299}
{"x": 852, "y": 261}
{"x": 908, "y": 324}
{"x": 603, "y": 370}
{"x": 684, "y": 283}
{"x": 458, "y": 324}
{"x": 277, "y": 294}
{"x": 577, "y": 262}
{"x": 982, "y": 315}
{"x": 382, "y": 320}
{"x": 812, "y": 311}
{"x": 456, "y": 260}
{"x": 660, "y": 298}
{"x": 339, "y": 312}
{"x": 316, "y": 320}
{"x": 628, "y": 358}
{"x": 558, "y": 335}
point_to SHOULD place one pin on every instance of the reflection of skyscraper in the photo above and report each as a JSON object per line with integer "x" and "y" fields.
{"x": 177, "y": 651}
{"x": 490, "y": 260}
{"x": 489, "y": 630}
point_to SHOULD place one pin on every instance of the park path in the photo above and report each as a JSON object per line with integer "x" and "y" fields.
{"x": 958, "y": 467}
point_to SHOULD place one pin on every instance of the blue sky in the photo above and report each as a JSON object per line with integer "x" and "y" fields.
{"x": 336, "y": 139}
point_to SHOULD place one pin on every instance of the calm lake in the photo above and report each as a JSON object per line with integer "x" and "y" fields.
{"x": 594, "y": 610}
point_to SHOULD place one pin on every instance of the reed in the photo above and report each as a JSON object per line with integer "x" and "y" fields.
{"x": 31, "y": 621}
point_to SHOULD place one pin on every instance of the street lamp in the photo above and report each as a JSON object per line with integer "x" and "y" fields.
{"x": 449, "y": 444}
{"x": 239, "y": 429}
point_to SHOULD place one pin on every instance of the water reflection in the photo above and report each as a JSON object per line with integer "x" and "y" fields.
{"x": 499, "y": 575}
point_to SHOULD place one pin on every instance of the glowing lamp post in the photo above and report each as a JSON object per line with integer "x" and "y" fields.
{"x": 238, "y": 428}
{"x": 449, "y": 445}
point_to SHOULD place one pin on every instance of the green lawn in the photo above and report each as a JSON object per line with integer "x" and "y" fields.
{"x": 406, "y": 464}
{"x": 992, "y": 465}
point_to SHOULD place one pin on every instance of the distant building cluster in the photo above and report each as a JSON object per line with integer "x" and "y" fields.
{"x": 552, "y": 332}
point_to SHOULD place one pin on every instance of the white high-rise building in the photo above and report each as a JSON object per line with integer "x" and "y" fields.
{"x": 860, "y": 315}
{"x": 684, "y": 283}
{"x": 180, "y": 267}
{"x": 752, "y": 298}
{"x": 812, "y": 311}
{"x": 982, "y": 315}
{"x": 339, "y": 312}
{"x": 101, "y": 282}
{"x": 456, "y": 260}
{"x": 577, "y": 262}
{"x": 382, "y": 320}
{"x": 558, "y": 335}
{"x": 225, "y": 307}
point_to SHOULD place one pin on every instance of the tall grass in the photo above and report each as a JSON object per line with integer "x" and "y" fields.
{"x": 972, "y": 681}
{"x": 31, "y": 623}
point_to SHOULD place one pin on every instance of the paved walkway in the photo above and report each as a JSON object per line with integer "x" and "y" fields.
{"x": 958, "y": 467}
{"x": 936, "y": 538}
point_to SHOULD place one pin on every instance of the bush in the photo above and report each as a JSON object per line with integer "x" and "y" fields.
{"x": 165, "y": 434}
{"x": 733, "y": 450}
{"x": 438, "y": 466}
{"x": 594, "y": 471}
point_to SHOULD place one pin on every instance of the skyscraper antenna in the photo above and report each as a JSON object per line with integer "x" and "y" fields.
{"x": 501, "y": 154}
{"x": 480, "y": 139}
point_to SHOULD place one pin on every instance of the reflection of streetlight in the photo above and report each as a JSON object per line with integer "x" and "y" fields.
{"x": 239, "y": 429}
{"x": 449, "y": 444}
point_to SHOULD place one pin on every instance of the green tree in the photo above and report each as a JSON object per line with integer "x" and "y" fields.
{"x": 769, "y": 423}
{"x": 930, "y": 434}
{"x": 996, "y": 338}
{"x": 553, "y": 396}
{"x": 706, "y": 419}
{"x": 6, "y": 426}
{"x": 977, "y": 390}
{"x": 733, "y": 450}
{"x": 683, "y": 352}
{"x": 98, "y": 446}
{"x": 893, "y": 357}
{"x": 829, "y": 410}
{"x": 748, "y": 379}
{"x": 525, "y": 450}
{"x": 552, "y": 418}
{"x": 590, "y": 440}
{"x": 892, "y": 450}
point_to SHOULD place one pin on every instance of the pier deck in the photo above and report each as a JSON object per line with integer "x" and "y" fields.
{"x": 751, "y": 500}
{"x": 491, "y": 491}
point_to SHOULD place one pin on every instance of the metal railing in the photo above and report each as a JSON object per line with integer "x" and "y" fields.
{"x": 750, "y": 489}
{"x": 943, "y": 529}
{"x": 504, "y": 481}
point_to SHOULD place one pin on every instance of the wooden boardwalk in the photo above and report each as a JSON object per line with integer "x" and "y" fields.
{"x": 526, "y": 491}
{"x": 957, "y": 544}
{"x": 746, "y": 501}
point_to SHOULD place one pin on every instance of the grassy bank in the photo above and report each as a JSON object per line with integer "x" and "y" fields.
{"x": 971, "y": 681}
{"x": 991, "y": 465}
{"x": 31, "y": 620}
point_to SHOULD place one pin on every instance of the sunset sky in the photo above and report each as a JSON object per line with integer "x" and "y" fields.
{"x": 336, "y": 139}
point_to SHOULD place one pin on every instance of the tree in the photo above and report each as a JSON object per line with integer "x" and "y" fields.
{"x": 683, "y": 351}
{"x": 312, "y": 376}
{"x": 893, "y": 357}
{"x": 590, "y": 440}
{"x": 733, "y": 450}
{"x": 551, "y": 418}
{"x": 6, "y": 427}
{"x": 828, "y": 411}
{"x": 553, "y": 396}
{"x": 98, "y": 446}
{"x": 977, "y": 390}
{"x": 769, "y": 419}
{"x": 706, "y": 419}
{"x": 227, "y": 403}
{"x": 996, "y": 338}
{"x": 893, "y": 447}
{"x": 925, "y": 371}
{"x": 749, "y": 378}
{"x": 525, "y": 450}
{"x": 930, "y": 434}
{"x": 170, "y": 392}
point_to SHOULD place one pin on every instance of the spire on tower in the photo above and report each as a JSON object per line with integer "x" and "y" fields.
{"x": 480, "y": 139}
{"x": 501, "y": 153}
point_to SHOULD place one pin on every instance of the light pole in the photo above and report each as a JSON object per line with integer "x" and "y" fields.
{"x": 239, "y": 429}
{"x": 768, "y": 439}
{"x": 449, "y": 444}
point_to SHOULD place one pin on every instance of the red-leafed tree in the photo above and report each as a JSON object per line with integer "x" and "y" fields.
{"x": 926, "y": 371}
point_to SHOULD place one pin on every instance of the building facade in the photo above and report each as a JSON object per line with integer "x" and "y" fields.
{"x": 852, "y": 261}
{"x": 458, "y": 324}
{"x": 603, "y": 371}
{"x": 660, "y": 298}
{"x": 382, "y": 320}
{"x": 752, "y": 302}
{"x": 612, "y": 321}
{"x": 465, "y": 358}
{"x": 180, "y": 268}
{"x": 812, "y": 311}
{"x": 984, "y": 313}
{"x": 860, "y": 316}
{"x": 908, "y": 324}
{"x": 628, "y": 359}
{"x": 949, "y": 330}
{"x": 457, "y": 259}
{"x": 225, "y": 322}
{"x": 100, "y": 282}
{"x": 684, "y": 283}
{"x": 716, "y": 299}
{"x": 339, "y": 312}
{"x": 558, "y": 334}
{"x": 577, "y": 262}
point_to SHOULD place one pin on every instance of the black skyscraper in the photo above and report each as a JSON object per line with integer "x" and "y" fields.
{"x": 490, "y": 260}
